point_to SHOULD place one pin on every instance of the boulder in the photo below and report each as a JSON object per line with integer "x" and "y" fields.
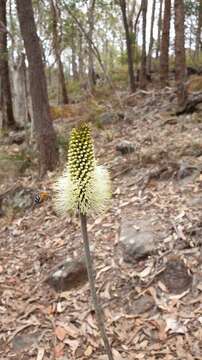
{"x": 68, "y": 275}
{"x": 125, "y": 147}
{"x": 109, "y": 118}
{"x": 137, "y": 240}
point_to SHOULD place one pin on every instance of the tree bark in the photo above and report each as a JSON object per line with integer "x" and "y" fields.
{"x": 159, "y": 29}
{"x": 180, "y": 61}
{"x": 73, "y": 48}
{"x": 56, "y": 47}
{"x": 81, "y": 57}
{"x": 143, "y": 70}
{"x": 199, "y": 28}
{"x": 8, "y": 120}
{"x": 151, "y": 42}
{"x": 164, "y": 55}
{"x": 129, "y": 46}
{"x": 46, "y": 138}
{"x": 91, "y": 76}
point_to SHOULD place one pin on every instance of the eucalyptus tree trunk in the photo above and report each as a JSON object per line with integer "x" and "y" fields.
{"x": 91, "y": 14}
{"x": 143, "y": 70}
{"x": 180, "y": 60}
{"x": 199, "y": 30}
{"x": 81, "y": 57}
{"x": 45, "y": 135}
{"x": 56, "y": 47}
{"x": 131, "y": 16}
{"x": 151, "y": 42}
{"x": 7, "y": 116}
{"x": 159, "y": 29}
{"x": 21, "y": 102}
{"x": 129, "y": 46}
{"x": 73, "y": 48}
{"x": 164, "y": 55}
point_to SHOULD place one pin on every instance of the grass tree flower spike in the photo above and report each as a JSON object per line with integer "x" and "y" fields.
{"x": 84, "y": 186}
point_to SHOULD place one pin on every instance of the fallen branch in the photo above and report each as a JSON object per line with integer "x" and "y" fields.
{"x": 191, "y": 105}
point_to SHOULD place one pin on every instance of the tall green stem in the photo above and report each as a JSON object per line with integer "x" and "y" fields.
{"x": 97, "y": 307}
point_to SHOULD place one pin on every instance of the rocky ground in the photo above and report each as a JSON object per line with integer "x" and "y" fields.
{"x": 146, "y": 247}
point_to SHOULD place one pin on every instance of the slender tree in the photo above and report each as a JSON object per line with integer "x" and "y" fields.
{"x": 180, "y": 61}
{"x": 199, "y": 29}
{"x": 159, "y": 29}
{"x": 73, "y": 49}
{"x": 81, "y": 57}
{"x": 46, "y": 139}
{"x": 57, "y": 51}
{"x": 91, "y": 20}
{"x": 8, "y": 120}
{"x": 164, "y": 55}
{"x": 143, "y": 70}
{"x": 151, "y": 42}
{"x": 129, "y": 46}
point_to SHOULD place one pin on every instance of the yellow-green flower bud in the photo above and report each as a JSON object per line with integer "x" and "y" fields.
{"x": 84, "y": 186}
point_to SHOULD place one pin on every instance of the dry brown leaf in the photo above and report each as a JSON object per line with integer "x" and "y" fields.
{"x": 174, "y": 326}
{"x": 73, "y": 344}
{"x": 88, "y": 351}
{"x": 59, "y": 350}
{"x": 40, "y": 355}
{"x": 116, "y": 355}
{"x": 104, "y": 269}
{"x": 60, "y": 333}
{"x": 71, "y": 330}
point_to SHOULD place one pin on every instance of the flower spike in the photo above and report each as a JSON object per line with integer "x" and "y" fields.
{"x": 84, "y": 186}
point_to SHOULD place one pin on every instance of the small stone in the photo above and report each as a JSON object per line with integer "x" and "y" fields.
{"x": 175, "y": 276}
{"x": 141, "y": 305}
{"x": 125, "y": 147}
{"x": 106, "y": 118}
{"x": 68, "y": 275}
{"x": 16, "y": 138}
{"x": 137, "y": 240}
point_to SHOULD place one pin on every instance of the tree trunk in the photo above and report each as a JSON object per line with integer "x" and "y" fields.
{"x": 149, "y": 59}
{"x": 20, "y": 92}
{"x": 91, "y": 77}
{"x": 131, "y": 16}
{"x": 6, "y": 105}
{"x": 159, "y": 29}
{"x": 199, "y": 28}
{"x": 56, "y": 47}
{"x": 81, "y": 57}
{"x": 164, "y": 55}
{"x": 73, "y": 48}
{"x": 129, "y": 46}
{"x": 143, "y": 70}
{"x": 180, "y": 61}
{"x": 46, "y": 139}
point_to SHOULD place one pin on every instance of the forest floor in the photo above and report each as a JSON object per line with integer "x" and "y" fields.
{"x": 152, "y": 303}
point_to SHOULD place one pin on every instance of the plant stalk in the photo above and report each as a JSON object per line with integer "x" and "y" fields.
{"x": 97, "y": 306}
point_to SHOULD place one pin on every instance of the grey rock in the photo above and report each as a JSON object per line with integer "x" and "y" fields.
{"x": 22, "y": 342}
{"x": 106, "y": 118}
{"x": 137, "y": 240}
{"x": 68, "y": 275}
{"x": 141, "y": 305}
{"x": 176, "y": 276}
{"x": 125, "y": 147}
{"x": 17, "y": 198}
{"x": 109, "y": 118}
{"x": 16, "y": 138}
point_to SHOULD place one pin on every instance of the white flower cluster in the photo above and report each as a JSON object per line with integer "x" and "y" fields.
{"x": 84, "y": 186}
